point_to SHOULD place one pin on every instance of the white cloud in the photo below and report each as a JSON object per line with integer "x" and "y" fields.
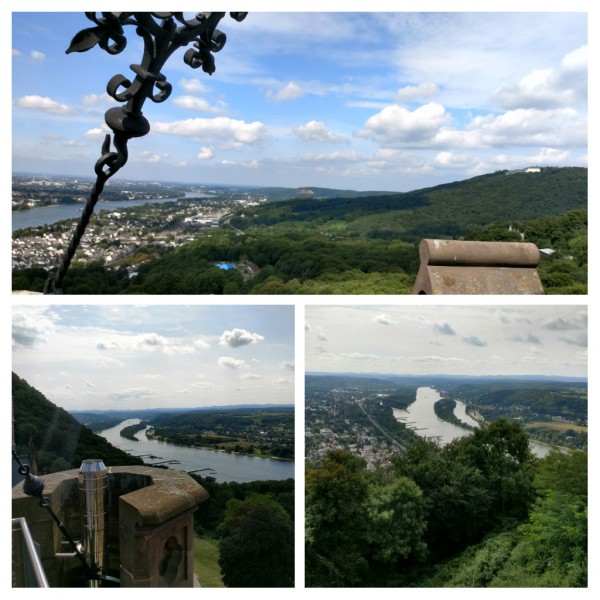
{"x": 37, "y": 56}
{"x": 200, "y": 344}
{"x": 195, "y": 104}
{"x": 96, "y": 134}
{"x": 474, "y": 341}
{"x": 444, "y": 329}
{"x": 29, "y": 332}
{"x": 350, "y": 156}
{"x": 44, "y": 104}
{"x": 398, "y": 126}
{"x": 154, "y": 343}
{"x": 231, "y": 363}
{"x": 239, "y": 337}
{"x": 316, "y": 131}
{"x": 419, "y": 92}
{"x": 251, "y": 164}
{"x": 549, "y": 88}
{"x": 291, "y": 91}
{"x": 521, "y": 127}
{"x": 192, "y": 86}
{"x": 568, "y": 324}
{"x": 452, "y": 160}
{"x": 580, "y": 340}
{"x": 149, "y": 342}
{"x": 95, "y": 99}
{"x": 149, "y": 157}
{"x": 230, "y": 132}
{"x": 106, "y": 345}
{"x": 205, "y": 153}
{"x": 360, "y": 356}
{"x": 384, "y": 319}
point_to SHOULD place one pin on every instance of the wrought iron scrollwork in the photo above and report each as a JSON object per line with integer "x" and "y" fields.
{"x": 162, "y": 33}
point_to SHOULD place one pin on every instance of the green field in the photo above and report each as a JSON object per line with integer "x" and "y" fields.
{"x": 557, "y": 426}
{"x": 206, "y": 562}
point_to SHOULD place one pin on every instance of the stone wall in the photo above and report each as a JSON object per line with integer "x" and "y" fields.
{"x": 150, "y": 526}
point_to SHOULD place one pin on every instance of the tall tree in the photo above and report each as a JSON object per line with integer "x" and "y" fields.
{"x": 336, "y": 497}
{"x": 260, "y": 551}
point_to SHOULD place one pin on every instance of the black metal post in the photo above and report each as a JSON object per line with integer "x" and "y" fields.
{"x": 162, "y": 33}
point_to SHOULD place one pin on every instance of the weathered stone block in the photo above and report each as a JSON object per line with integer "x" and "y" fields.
{"x": 459, "y": 267}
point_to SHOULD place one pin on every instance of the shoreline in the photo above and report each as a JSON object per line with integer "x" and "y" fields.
{"x": 158, "y": 439}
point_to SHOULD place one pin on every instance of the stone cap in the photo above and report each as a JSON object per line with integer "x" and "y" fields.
{"x": 170, "y": 493}
{"x": 469, "y": 268}
{"x": 159, "y": 494}
{"x": 459, "y": 252}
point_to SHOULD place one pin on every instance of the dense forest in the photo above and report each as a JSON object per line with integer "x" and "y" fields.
{"x": 53, "y": 439}
{"x": 478, "y": 512}
{"x": 362, "y": 244}
{"x": 253, "y": 526}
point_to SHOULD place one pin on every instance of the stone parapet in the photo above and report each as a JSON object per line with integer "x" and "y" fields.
{"x": 150, "y": 525}
{"x": 471, "y": 267}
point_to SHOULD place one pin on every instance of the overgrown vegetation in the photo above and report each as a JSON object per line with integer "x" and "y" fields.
{"x": 479, "y": 512}
{"x": 253, "y": 526}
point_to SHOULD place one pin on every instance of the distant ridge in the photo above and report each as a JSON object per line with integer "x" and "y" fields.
{"x": 414, "y": 378}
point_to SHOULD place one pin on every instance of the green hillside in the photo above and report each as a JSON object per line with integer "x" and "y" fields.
{"x": 441, "y": 211}
{"x": 54, "y": 440}
{"x": 360, "y": 244}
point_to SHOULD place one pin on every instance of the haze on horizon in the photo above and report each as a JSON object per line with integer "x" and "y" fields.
{"x": 392, "y": 101}
{"x": 122, "y": 357}
{"x": 499, "y": 340}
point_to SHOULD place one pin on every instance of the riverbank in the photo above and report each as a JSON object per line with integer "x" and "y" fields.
{"x": 444, "y": 409}
{"x": 256, "y": 453}
{"x": 222, "y": 466}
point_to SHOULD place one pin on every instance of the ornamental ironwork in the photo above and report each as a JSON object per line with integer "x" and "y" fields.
{"x": 162, "y": 34}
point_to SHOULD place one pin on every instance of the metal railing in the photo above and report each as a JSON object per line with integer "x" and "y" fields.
{"x": 27, "y": 566}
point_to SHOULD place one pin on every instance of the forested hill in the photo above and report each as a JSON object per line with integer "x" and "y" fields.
{"x": 357, "y": 245}
{"x": 444, "y": 210}
{"x": 54, "y": 440}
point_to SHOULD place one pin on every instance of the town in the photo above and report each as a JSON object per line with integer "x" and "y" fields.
{"x": 160, "y": 216}
{"x": 350, "y": 415}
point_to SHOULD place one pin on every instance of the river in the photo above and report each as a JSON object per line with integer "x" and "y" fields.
{"x": 47, "y": 215}
{"x": 223, "y": 466}
{"x": 421, "y": 417}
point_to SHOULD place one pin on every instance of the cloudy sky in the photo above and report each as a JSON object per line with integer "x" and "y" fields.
{"x": 455, "y": 340}
{"x": 353, "y": 100}
{"x": 123, "y": 357}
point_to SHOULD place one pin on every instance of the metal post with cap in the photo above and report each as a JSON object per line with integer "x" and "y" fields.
{"x": 162, "y": 34}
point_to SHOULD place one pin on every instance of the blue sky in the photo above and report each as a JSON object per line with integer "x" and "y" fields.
{"x": 458, "y": 340}
{"x": 351, "y": 100}
{"x": 126, "y": 357}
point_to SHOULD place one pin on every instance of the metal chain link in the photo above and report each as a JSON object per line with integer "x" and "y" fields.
{"x": 106, "y": 166}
